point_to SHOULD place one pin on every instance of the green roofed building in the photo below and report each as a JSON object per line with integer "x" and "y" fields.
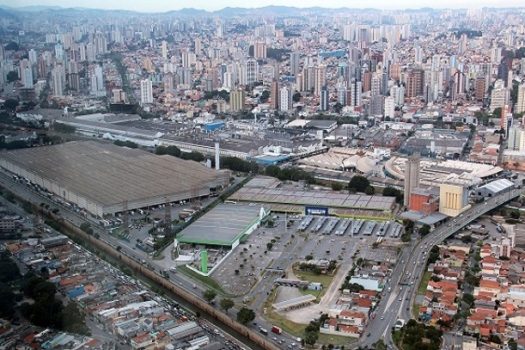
{"x": 224, "y": 225}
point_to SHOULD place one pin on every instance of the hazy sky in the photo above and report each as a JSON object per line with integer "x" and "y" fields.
{"x": 166, "y": 5}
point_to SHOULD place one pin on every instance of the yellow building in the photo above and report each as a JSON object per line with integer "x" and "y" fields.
{"x": 453, "y": 199}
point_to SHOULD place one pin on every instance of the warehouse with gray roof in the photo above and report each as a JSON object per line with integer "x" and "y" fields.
{"x": 106, "y": 179}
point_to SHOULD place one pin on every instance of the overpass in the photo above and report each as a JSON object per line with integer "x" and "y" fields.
{"x": 397, "y": 301}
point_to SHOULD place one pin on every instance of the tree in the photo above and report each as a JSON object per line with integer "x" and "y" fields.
{"x": 12, "y": 46}
{"x": 269, "y": 246}
{"x": 11, "y": 104}
{"x": 193, "y": 155}
{"x": 393, "y": 192}
{"x": 310, "y": 338}
{"x": 424, "y": 230}
{"x": 358, "y": 183}
{"x": 169, "y": 150}
{"x": 128, "y": 144}
{"x": 209, "y": 295}
{"x": 512, "y": 344}
{"x": 245, "y": 315}
{"x": 66, "y": 129}
{"x": 434, "y": 255}
{"x": 227, "y": 304}
{"x": 264, "y": 96}
{"x": 468, "y": 299}
{"x": 337, "y": 186}
{"x": 7, "y": 301}
{"x": 355, "y": 288}
{"x": 86, "y": 227}
{"x": 370, "y": 190}
{"x": 12, "y": 76}
{"x": 296, "y": 97}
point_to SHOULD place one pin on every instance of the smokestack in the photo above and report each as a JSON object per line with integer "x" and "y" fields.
{"x": 217, "y": 157}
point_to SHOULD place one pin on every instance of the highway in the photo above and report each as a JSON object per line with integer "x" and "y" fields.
{"x": 401, "y": 290}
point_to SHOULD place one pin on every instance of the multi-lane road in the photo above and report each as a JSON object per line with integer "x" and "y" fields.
{"x": 400, "y": 292}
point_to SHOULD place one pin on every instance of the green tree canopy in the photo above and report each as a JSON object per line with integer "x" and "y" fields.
{"x": 12, "y": 76}
{"x": 227, "y": 304}
{"x": 209, "y": 295}
{"x": 358, "y": 183}
{"x": 245, "y": 315}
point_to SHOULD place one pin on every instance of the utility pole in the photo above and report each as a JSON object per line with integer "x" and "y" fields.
{"x": 126, "y": 219}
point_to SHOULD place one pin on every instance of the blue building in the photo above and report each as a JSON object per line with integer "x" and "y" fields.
{"x": 212, "y": 126}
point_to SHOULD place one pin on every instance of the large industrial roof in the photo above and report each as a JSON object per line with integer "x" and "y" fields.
{"x": 222, "y": 225}
{"x": 109, "y": 174}
{"x": 314, "y": 198}
{"x": 498, "y": 185}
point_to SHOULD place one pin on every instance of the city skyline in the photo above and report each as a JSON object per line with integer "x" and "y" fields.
{"x": 161, "y": 6}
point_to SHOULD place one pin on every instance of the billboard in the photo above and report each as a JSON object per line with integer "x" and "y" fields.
{"x": 315, "y": 210}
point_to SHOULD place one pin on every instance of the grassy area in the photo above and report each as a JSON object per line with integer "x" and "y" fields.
{"x": 336, "y": 340}
{"x": 325, "y": 280}
{"x": 207, "y": 281}
{"x": 415, "y": 311}
{"x": 424, "y": 282}
{"x": 273, "y": 317}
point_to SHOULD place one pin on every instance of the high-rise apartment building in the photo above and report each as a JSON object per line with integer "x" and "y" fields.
{"x": 58, "y": 76}
{"x": 146, "y": 92}
{"x": 520, "y": 103}
{"x": 285, "y": 99}
{"x": 499, "y": 96}
{"x": 324, "y": 99}
{"x": 274, "y": 95}
{"x": 320, "y": 79}
{"x": 259, "y": 50}
{"x": 294, "y": 63}
{"x": 252, "y": 69}
{"x": 237, "y": 98}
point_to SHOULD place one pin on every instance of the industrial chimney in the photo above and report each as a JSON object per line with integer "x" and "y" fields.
{"x": 217, "y": 156}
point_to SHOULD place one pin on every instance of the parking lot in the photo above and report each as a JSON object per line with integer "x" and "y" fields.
{"x": 323, "y": 238}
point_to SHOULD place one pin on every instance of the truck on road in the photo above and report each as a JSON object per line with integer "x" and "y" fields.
{"x": 276, "y": 330}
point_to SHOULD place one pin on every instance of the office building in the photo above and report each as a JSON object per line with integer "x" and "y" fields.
{"x": 146, "y": 92}
{"x": 411, "y": 177}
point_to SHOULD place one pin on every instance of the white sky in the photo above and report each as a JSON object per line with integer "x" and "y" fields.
{"x": 167, "y": 5}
